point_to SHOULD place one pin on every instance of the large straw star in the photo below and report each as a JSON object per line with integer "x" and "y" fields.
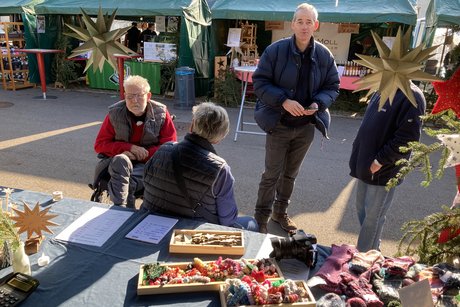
{"x": 99, "y": 40}
{"x": 395, "y": 68}
{"x": 33, "y": 220}
{"x": 448, "y": 94}
{"x": 452, "y": 142}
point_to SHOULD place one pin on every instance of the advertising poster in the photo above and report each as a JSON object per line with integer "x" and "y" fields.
{"x": 159, "y": 52}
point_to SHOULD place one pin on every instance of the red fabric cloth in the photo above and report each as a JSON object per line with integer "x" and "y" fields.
{"x": 105, "y": 141}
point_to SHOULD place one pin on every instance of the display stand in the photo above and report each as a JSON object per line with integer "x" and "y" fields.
{"x": 248, "y": 44}
{"x": 13, "y": 64}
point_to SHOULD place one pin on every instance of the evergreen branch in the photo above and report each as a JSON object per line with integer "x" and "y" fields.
{"x": 8, "y": 232}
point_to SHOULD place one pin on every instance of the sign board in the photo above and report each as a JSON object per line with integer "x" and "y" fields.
{"x": 234, "y": 36}
{"x": 41, "y": 24}
{"x": 274, "y": 25}
{"x": 327, "y": 34}
{"x": 352, "y": 28}
{"x": 338, "y": 43}
{"x": 160, "y": 24}
{"x": 159, "y": 52}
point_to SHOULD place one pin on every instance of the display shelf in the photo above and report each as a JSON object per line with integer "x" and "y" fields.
{"x": 13, "y": 63}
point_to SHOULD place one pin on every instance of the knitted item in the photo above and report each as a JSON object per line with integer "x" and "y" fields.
{"x": 355, "y": 302}
{"x": 359, "y": 287}
{"x": 397, "y": 266}
{"x": 361, "y": 262}
{"x": 330, "y": 300}
{"x": 335, "y": 264}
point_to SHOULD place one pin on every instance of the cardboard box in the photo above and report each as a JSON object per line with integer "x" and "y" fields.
{"x": 189, "y": 287}
{"x": 232, "y": 242}
{"x": 310, "y": 300}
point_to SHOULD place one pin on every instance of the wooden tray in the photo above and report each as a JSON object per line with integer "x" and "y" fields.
{"x": 190, "y": 287}
{"x": 311, "y": 299}
{"x": 176, "y": 246}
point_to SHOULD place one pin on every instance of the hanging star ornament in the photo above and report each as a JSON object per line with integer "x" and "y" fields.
{"x": 33, "y": 221}
{"x": 452, "y": 142}
{"x": 99, "y": 40}
{"x": 395, "y": 68}
{"x": 448, "y": 94}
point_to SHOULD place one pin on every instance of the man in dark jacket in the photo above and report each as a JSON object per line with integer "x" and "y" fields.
{"x": 207, "y": 178}
{"x": 295, "y": 79}
{"x": 132, "y": 39}
{"x": 374, "y": 156}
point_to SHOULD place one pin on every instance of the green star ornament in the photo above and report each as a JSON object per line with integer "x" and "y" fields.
{"x": 395, "y": 68}
{"x": 99, "y": 40}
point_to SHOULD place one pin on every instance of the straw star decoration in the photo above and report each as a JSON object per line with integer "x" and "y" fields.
{"x": 448, "y": 94}
{"x": 452, "y": 142}
{"x": 33, "y": 221}
{"x": 99, "y": 40}
{"x": 395, "y": 68}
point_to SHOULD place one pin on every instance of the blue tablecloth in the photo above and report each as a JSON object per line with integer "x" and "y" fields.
{"x": 82, "y": 275}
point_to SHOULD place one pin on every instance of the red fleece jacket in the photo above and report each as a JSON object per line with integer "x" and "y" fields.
{"x": 105, "y": 141}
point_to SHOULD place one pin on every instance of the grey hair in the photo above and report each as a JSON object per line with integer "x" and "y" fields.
{"x": 305, "y": 6}
{"x": 210, "y": 121}
{"x": 137, "y": 81}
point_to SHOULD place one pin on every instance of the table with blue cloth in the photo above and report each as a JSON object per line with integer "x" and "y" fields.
{"x": 83, "y": 275}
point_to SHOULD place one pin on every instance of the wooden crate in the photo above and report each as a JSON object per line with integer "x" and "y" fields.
{"x": 190, "y": 287}
{"x": 176, "y": 246}
{"x": 310, "y": 298}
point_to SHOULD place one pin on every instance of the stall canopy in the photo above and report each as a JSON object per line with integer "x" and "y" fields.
{"x": 125, "y": 7}
{"x": 441, "y": 13}
{"x": 353, "y": 11}
{"x": 8, "y": 7}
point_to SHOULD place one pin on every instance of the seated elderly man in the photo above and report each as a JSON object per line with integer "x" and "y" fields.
{"x": 189, "y": 179}
{"x": 131, "y": 133}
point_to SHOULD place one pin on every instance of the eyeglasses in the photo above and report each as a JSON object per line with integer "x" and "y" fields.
{"x": 135, "y": 96}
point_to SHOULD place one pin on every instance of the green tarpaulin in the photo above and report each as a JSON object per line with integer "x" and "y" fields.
{"x": 8, "y": 7}
{"x": 440, "y": 13}
{"x": 125, "y": 7}
{"x": 353, "y": 11}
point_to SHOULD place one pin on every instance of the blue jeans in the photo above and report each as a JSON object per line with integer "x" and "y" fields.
{"x": 246, "y": 222}
{"x": 372, "y": 204}
{"x": 285, "y": 149}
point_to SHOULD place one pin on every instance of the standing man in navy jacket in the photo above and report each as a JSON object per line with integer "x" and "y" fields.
{"x": 295, "y": 79}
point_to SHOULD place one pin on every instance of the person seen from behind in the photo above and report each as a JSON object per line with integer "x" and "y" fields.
{"x": 206, "y": 176}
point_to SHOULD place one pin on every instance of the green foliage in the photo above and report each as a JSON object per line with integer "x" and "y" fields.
{"x": 64, "y": 70}
{"x": 8, "y": 232}
{"x": 421, "y": 237}
{"x": 445, "y": 122}
{"x": 348, "y": 101}
{"x": 227, "y": 88}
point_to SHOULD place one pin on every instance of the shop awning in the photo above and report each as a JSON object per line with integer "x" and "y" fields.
{"x": 8, "y": 7}
{"x": 353, "y": 11}
{"x": 442, "y": 13}
{"x": 137, "y": 8}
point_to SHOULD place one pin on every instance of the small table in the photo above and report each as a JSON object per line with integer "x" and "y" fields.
{"x": 346, "y": 82}
{"x": 121, "y": 70}
{"x": 41, "y": 67}
{"x": 244, "y": 73}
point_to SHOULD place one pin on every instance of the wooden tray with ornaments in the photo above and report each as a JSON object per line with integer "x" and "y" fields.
{"x": 216, "y": 242}
{"x": 156, "y": 278}
{"x": 270, "y": 293}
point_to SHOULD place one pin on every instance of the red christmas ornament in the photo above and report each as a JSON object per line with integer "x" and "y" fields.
{"x": 448, "y": 94}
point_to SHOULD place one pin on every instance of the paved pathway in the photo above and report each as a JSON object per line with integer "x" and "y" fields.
{"x": 47, "y": 145}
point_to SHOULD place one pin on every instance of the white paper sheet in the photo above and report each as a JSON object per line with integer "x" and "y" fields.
{"x": 95, "y": 226}
{"x": 152, "y": 229}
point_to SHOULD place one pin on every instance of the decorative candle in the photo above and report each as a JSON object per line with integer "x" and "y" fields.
{"x": 43, "y": 260}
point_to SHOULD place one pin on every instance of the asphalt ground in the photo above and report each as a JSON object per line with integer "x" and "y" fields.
{"x": 47, "y": 145}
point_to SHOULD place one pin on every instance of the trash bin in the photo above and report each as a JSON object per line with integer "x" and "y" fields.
{"x": 184, "y": 92}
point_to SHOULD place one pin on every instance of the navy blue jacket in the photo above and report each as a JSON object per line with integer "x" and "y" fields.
{"x": 381, "y": 134}
{"x": 276, "y": 77}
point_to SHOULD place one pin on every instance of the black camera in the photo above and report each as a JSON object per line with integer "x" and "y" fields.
{"x": 300, "y": 245}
